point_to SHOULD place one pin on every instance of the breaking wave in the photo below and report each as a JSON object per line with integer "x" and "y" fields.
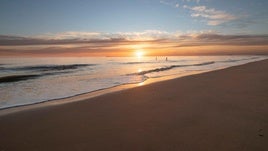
{"x": 169, "y": 68}
{"x": 236, "y": 60}
{"x": 33, "y": 72}
{"x": 49, "y": 67}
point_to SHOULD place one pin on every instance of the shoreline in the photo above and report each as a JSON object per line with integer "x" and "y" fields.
{"x": 88, "y": 95}
{"x": 93, "y": 94}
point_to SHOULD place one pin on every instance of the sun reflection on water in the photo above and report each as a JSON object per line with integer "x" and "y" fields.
{"x": 141, "y": 84}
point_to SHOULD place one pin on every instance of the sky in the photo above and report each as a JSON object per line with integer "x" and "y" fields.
{"x": 120, "y": 27}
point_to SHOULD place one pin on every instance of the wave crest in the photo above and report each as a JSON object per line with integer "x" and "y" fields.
{"x": 49, "y": 67}
{"x": 170, "y": 67}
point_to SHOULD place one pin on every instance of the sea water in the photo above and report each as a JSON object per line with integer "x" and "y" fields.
{"x": 33, "y": 80}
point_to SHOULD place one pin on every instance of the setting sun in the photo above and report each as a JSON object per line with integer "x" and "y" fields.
{"x": 139, "y": 53}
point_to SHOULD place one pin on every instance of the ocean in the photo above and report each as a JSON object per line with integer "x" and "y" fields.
{"x": 32, "y": 80}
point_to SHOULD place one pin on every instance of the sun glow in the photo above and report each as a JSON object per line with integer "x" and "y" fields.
{"x": 139, "y": 53}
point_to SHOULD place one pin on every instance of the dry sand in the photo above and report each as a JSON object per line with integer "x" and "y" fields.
{"x": 224, "y": 110}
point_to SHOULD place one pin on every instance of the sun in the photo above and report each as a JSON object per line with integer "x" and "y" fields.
{"x": 139, "y": 53}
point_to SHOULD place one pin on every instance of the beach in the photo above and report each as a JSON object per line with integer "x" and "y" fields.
{"x": 223, "y": 110}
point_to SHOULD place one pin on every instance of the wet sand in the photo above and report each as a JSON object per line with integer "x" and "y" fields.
{"x": 224, "y": 110}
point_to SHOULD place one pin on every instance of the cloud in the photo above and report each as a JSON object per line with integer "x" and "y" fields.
{"x": 170, "y": 3}
{"x": 165, "y": 2}
{"x": 213, "y": 17}
{"x": 86, "y": 37}
{"x": 186, "y": 6}
{"x": 69, "y": 35}
{"x": 143, "y": 35}
{"x": 197, "y": 1}
{"x": 233, "y": 39}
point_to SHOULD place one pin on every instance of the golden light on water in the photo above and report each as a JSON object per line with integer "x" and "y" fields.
{"x": 141, "y": 84}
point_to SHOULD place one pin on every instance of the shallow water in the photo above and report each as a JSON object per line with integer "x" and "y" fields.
{"x": 32, "y": 80}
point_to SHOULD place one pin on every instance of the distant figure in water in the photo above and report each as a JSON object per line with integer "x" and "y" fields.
{"x": 156, "y": 58}
{"x": 166, "y": 59}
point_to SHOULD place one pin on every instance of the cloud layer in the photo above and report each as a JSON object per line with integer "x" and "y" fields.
{"x": 122, "y": 44}
{"x": 147, "y": 35}
{"x": 212, "y": 16}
